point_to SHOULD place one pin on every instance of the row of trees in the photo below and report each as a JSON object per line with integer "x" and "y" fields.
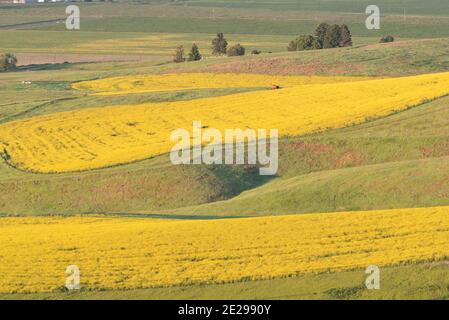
{"x": 8, "y": 61}
{"x": 219, "y": 47}
{"x": 325, "y": 36}
{"x": 193, "y": 55}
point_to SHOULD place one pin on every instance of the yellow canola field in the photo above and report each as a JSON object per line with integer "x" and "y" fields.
{"x": 191, "y": 81}
{"x": 129, "y": 253}
{"x": 99, "y": 137}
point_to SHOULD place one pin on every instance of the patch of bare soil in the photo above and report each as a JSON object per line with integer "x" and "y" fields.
{"x": 310, "y": 148}
{"x": 277, "y": 66}
{"x": 439, "y": 149}
{"x": 323, "y": 156}
{"x": 348, "y": 159}
{"x": 45, "y": 58}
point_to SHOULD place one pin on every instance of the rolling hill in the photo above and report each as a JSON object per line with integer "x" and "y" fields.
{"x": 82, "y": 184}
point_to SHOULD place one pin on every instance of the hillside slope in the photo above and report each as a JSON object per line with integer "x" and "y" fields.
{"x": 152, "y": 186}
{"x": 398, "y": 161}
{"x": 417, "y": 183}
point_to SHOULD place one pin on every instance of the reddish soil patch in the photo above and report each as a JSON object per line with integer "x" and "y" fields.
{"x": 318, "y": 156}
{"x": 277, "y": 66}
{"x": 348, "y": 159}
{"x": 312, "y": 148}
{"x": 439, "y": 149}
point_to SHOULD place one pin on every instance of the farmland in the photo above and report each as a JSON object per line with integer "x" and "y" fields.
{"x": 90, "y": 138}
{"x": 363, "y": 152}
{"x": 174, "y": 252}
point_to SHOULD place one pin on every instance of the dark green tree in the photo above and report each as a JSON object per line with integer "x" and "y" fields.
{"x": 194, "y": 54}
{"x": 236, "y": 50}
{"x": 346, "y": 37}
{"x": 305, "y": 42}
{"x": 179, "y": 54}
{"x": 316, "y": 44}
{"x": 219, "y": 45}
{"x": 8, "y": 61}
{"x": 332, "y": 38}
{"x": 320, "y": 33}
{"x": 292, "y": 46}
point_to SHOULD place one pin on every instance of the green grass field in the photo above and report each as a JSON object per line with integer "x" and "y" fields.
{"x": 124, "y": 28}
{"x": 353, "y": 6}
{"x": 394, "y": 162}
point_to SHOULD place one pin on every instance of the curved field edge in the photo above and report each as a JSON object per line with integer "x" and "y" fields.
{"x": 144, "y": 253}
{"x": 96, "y": 138}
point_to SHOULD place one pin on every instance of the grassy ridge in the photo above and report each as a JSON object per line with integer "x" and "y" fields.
{"x": 395, "y": 59}
{"x": 422, "y": 183}
{"x": 153, "y": 183}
